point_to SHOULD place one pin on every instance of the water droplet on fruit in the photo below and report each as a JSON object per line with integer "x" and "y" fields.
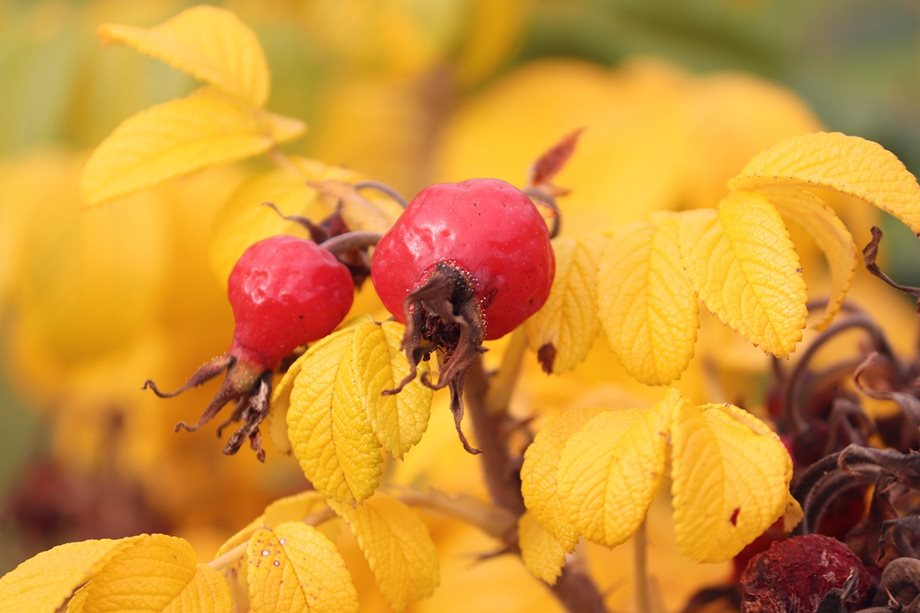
{"x": 276, "y": 563}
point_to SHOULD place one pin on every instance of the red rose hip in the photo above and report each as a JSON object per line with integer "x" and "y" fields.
{"x": 464, "y": 263}
{"x": 285, "y": 292}
{"x": 486, "y": 229}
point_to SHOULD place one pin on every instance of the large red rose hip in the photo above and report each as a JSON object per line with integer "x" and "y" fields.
{"x": 485, "y": 228}
{"x": 465, "y": 262}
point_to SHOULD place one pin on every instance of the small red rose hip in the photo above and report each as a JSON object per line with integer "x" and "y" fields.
{"x": 795, "y": 575}
{"x": 285, "y": 292}
{"x": 464, "y": 263}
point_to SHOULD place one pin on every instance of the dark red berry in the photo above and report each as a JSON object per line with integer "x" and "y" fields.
{"x": 486, "y": 229}
{"x": 796, "y": 574}
{"x": 464, "y": 263}
{"x": 285, "y": 292}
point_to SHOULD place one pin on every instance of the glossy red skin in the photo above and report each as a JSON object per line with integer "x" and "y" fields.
{"x": 285, "y": 292}
{"x": 485, "y": 227}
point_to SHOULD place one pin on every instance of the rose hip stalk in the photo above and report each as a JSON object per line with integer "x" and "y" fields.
{"x": 285, "y": 292}
{"x": 466, "y": 262}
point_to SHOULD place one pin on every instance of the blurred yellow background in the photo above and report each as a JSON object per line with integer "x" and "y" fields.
{"x": 674, "y": 95}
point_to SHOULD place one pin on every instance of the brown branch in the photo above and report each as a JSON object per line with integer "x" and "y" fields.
{"x": 574, "y": 588}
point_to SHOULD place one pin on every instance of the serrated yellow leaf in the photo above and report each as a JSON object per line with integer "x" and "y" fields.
{"x": 744, "y": 267}
{"x": 832, "y": 237}
{"x": 543, "y": 555}
{"x": 563, "y": 330}
{"x": 730, "y": 480}
{"x": 399, "y": 420}
{"x": 156, "y": 573}
{"x": 176, "y": 138}
{"x": 646, "y": 305}
{"x": 396, "y": 543}
{"x": 275, "y": 424}
{"x": 329, "y": 429}
{"x": 610, "y": 469}
{"x": 295, "y": 568}
{"x": 207, "y": 42}
{"x": 45, "y": 581}
{"x": 846, "y": 164}
{"x": 538, "y": 473}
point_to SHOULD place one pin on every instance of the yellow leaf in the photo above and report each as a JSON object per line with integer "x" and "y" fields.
{"x": 563, "y": 330}
{"x": 744, "y": 267}
{"x": 646, "y": 304}
{"x": 275, "y": 424}
{"x": 538, "y": 474}
{"x": 398, "y": 420}
{"x": 730, "y": 480}
{"x": 329, "y": 429}
{"x": 178, "y": 137}
{"x": 207, "y": 42}
{"x": 846, "y": 164}
{"x": 292, "y": 508}
{"x": 543, "y": 555}
{"x": 156, "y": 573}
{"x": 397, "y": 546}
{"x": 610, "y": 469}
{"x": 243, "y": 220}
{"x": 296, "y": 568}
{"x": 45, "y": 581}
{"x": 832, "y": 237}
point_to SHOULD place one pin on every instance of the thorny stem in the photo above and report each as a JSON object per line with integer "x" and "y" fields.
{"x": 640, "y": 570}
{"x": 574, "y": 588}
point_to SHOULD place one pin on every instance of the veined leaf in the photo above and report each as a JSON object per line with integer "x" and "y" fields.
{"x": 328, "y": 426}
{"x": 744, "y": 267}
{"x": 156, "y": 573}
{"x": 538, "y": 474}
{"x": 397, "y": 546}
{"x": 730, "y": 480}
{"x": 828, "y": 232}
{"x": 563, "y": 330}
{"x": 543, "y": 555}
{"x": 275, "y": 423}
{"x": 846, "y": 164}
{"x": 45, "y": 581}
{"x": 610, "y": 469}
{"x": 207, "y": 42}
{"x": 399, "y": 420}
{"x": 178, "y": 137}
{"x": 646, "y": 304}
{"x": 295, "y": 568}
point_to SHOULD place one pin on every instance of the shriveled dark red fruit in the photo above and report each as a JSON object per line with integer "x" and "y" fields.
{"x": 795, "y": 575}
{"x": 285, "y": 292}
{"x": 465, "y": 262}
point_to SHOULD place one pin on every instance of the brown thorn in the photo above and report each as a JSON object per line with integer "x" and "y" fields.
{"x": 350, "y": 240}
{"x": 208, "y": 371}
{"x": 870, "y": 256}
